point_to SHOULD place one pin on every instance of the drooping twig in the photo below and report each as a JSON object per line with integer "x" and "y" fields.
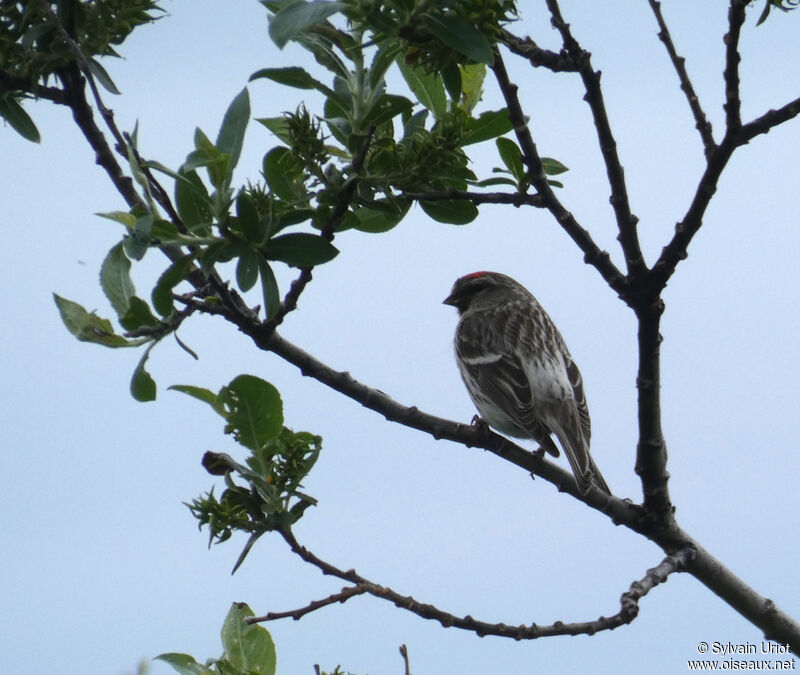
{"x": 629, "y": 600}
{"x": 593, "y": 255}
{"x": 702, "y": 124}
{"x": 626, "y": 220}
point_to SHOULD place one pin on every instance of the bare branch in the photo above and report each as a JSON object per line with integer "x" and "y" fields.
{"x": 701, "y": 121}
{"x": 629, "y": 600}
{"x": 626, "y": 220}
{"x": 515, "y": 198}
{"x": 651, "y": 449}
{"x": 341, "y": 597}
{"x": 733, "y": 104}
{"x": 768, "y": 120}
{"x": 558, "y": 62}
{"x": 600, "y": 260}
{"x": 676, "y": 249}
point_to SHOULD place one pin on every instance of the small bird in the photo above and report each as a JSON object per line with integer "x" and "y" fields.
{"x": 519, "y": 372}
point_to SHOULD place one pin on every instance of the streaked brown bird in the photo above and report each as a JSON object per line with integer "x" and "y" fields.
{"x": 519, "y": 372}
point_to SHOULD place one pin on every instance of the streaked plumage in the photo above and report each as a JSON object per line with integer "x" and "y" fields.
{"x": 519, "y": 372}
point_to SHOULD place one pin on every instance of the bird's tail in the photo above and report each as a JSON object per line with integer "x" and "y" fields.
{"x": 584, "y": 468}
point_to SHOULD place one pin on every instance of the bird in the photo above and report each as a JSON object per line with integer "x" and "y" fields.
{"x": 519, "y": 372}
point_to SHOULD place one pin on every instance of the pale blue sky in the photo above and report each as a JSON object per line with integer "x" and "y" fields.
{"x": 101, "y": 564}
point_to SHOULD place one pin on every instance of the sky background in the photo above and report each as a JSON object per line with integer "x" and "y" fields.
{"x": 101, "y": 564}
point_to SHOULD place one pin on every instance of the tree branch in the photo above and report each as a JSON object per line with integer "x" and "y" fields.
{"x": 629, "y": 600}
{"x": 701, "y": 121}
{"x": 626, "y": 220}
{"x": 558, "y": 62}
{"x": 600, "y": 260}
{"x": 770, "y": 119}
{"x": 26, "y": 85}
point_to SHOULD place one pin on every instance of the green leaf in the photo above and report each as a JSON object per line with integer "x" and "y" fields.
{"x": 451, "y": 76}
{"x": 452, "y": 211}
{"x": 293, "y": 76}
{"x": 248, "y": 647}
{"x": 138, "y": 315}
{"x": 385, "y": 108}
{"x": 254, "y": 410}
{"x": 115, "y": 280}
{"x": 172, "y": 276}
{"x": 88, "y": 327}
{"x": 457, "y": 33}
{"x": 201, "y": 394}
{"x": 552, "y": 167}
{"x": 143, "y": 386}
{"x": 194, "y": 204}
{"x": 427, "y": 87}
{"x": 278, "y": 126}
{"x": 300, "y": 249}
{"x": 184, "y": 664}
{"x": 234, "y": 125}
{"x": 269, "y": 288}
{"x": 123, "y": 217}
{"x": 512, "y": 158}
{"x": 247, "y": 218}
{"x": 295, "y": 18}
{"x": 283, "y": 173}
{"x": 136, "y": 243}
{"x": 208, "y": 155}
{"x": 247, "y": 269}
{"x": 499, "y": 180}
{"x": 380, "y": 216}
{"x": 13, "y": 113}
{"x": 489, "y": 124}
{"x": 472, "y": 77}
{"x": 103, "y": 77}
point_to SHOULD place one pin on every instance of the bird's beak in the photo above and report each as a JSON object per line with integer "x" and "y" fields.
{"x": 449, "y": 300}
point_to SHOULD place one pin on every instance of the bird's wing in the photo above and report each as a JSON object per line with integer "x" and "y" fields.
{"x": 501, "y": 377}
{"x": 576, "y": 382}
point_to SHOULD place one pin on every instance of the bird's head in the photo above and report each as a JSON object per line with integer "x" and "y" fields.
{"x": 482, "y": 289}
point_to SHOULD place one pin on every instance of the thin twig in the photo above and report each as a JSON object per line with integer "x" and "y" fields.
{"x": 341, "y": 597}
{"x": 626, "y": 220}
{"x": 629, "y": 601}
{"x": 593, "y": 255}
{"x": 702, "y": 124}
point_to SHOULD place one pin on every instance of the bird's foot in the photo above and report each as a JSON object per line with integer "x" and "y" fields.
{"x": 481, "y": 426}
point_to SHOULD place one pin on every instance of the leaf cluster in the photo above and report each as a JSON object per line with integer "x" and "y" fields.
{"x": 32, "y": 46}
{"x": 267, "y": 496}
